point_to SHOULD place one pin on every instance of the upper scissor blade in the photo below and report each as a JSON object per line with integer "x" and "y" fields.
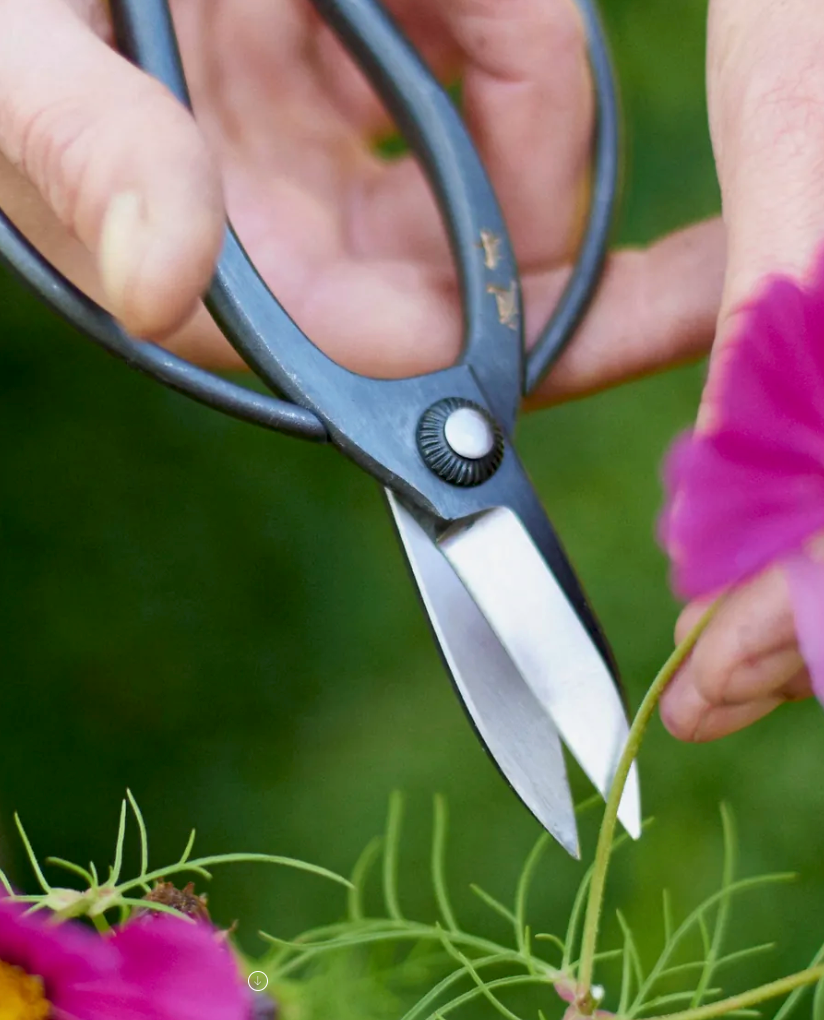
{"x": 514, "y": 588}
{"x": 515, "y": 728}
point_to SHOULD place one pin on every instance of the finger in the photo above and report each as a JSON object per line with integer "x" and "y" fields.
{"x": 700, "y": 721}
{"x": 528, "y": 102}
{"x": 655, "y": 308}
{"x": 115, "y": 158}
{"x": 766, "y": 96}
{"x": 348, "y": 86}
{"x": 747, "y": 656}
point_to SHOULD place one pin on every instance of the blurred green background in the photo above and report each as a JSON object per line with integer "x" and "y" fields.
{"x": 220, "y": 619}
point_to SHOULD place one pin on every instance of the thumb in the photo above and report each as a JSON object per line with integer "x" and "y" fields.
{"x": 119, "y": 162}
{"x": 766, "y": 104}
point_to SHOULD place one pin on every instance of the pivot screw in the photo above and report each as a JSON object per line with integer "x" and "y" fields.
{"x": 469, "y": 433}
{"x": 460, "y": 442}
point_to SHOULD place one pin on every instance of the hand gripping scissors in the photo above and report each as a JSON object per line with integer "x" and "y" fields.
{"x": 516, "y": 632}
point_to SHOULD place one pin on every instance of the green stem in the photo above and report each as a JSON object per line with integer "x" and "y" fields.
{"x": 102, "y": 925}
{"x": 771, "y": 991}
{"x": 605, "y": 837}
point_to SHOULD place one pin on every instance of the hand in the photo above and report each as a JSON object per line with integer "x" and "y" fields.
{"x": 120, "y": 188}
{"x": 766, "y": 92}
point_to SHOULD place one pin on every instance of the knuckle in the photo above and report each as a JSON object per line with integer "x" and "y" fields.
{"x": 51, "y": 149}
{"x": 518, "y": 37}
{"x": 74, "y": 149}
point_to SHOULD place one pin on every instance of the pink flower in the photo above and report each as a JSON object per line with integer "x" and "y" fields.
{"x": 749, "y": 490}
{"x": 158, "y": 969}
{"x": 572, "y": 994}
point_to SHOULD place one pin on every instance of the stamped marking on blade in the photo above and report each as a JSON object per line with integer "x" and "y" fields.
{"x": 524, "y": 604}
{"x": 517, "y": 732}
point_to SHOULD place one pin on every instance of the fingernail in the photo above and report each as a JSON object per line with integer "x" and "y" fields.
{"x": 122, "y": 246}
{"x": 683, "y": 707}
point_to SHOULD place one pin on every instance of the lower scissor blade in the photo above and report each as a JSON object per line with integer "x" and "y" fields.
{"x": 515, "y": 590}
{"x": 509, "y": 719}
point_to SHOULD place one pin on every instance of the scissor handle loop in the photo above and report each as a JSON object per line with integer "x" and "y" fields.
{"x": 145, "y": 33}
{"x": 238, "y": 401}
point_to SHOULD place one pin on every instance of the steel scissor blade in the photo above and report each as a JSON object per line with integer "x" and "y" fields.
{"x": 513, "y": 587}
{"x": 512, "y": 724}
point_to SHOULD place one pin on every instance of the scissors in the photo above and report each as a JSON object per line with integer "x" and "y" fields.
{"x": 517, "y": 634}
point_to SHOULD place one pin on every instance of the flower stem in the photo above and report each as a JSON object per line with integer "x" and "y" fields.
{"x": 605, "y": 836}
{"x": 751, "y": 998}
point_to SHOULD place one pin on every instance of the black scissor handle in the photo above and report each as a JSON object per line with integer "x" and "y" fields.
{"x": 252, "y": 319}
{"x": 261, "y": 329}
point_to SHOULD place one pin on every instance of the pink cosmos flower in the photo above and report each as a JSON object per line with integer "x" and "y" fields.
{"x": 749, "y": 490}
{"x": 157, "y": 969}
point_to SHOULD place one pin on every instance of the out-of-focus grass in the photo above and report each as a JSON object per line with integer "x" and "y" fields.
{"x": 220, "y": 618}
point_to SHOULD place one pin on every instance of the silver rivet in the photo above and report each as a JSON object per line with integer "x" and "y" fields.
{"x": 469, "y": 433}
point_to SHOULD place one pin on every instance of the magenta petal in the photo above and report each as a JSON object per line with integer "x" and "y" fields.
{"x": 751, "y": 490}
{"x": 806, "y": 578}
{"x": 171, "y": 970}
{"x": 67, "y": 957}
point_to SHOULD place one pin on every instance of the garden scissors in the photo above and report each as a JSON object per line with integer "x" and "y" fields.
{"x": 519, "y": 638}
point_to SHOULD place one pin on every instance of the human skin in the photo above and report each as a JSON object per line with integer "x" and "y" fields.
{"x": 119, "y": 186}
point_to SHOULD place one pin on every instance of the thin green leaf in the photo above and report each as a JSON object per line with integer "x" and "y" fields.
{"x": 723, "y": 961}
{"x": 544, "y": 936}
{"x": 608, "y": 954}
{"x": 391, "y": 847}
{"x": 201, "y": 863}
{"x": 527, "y": 949}
{"x": 680, "y": 968}
{"x": 141, "y": 828}
{"x": 705, "y": 935}
{"x": 742, "y": 885}
{"x": 93, "y": 870}
{"x": 159, "y": 908}
{"x": 722, "y": 916}
{"x": 376, "y": 932}
{"x": 40, "y": 905}
{"x": 490, "y": 986}
{"x": 630, "y": 953}
{"x": 485, "y": 990}
{"x": 58, "y": 862}
{"x": 674, "y": 999}
{"x": 744, "y": 954}
{"x": 439, "y": 833}
{"x": 437, "y": 990}
{"x": 188, "y": 848}
{"x": 493, "y": 904}
{"x": 818, "y": 1002}
{"x": 575, "y": 919}
{"x": 522, "y": 890}
{"x": 360, "y": 873}
{"x": 795, "y": 997}
{"x": 44, "y": 885}
{"x": 588, "y": 804}
{"x": 117, "y": 867}
{"x": 5, "y": 883}
{"x": 626, "y": 979}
